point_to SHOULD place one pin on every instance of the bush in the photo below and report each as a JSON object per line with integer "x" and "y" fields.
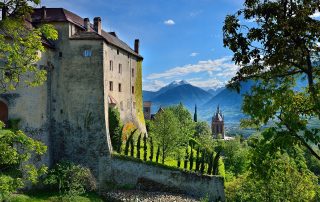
{"x": 70, "y": 179}
{"x": 115, "y": 128}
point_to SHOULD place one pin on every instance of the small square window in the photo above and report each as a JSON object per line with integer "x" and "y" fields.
{"x": 119, "y": 87}
{"x": 110, "y": 85}
{"x": 87, "y": 53}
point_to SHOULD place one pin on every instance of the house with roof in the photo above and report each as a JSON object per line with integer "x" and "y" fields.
{"x": 88, "y": 71}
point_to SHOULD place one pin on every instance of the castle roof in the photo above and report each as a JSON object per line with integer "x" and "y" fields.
{"x": 63, "y": 15}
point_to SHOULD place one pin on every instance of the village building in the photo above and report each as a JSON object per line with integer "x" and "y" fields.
{"x": 217, "y": 125}
{"x": 88, "y": 71}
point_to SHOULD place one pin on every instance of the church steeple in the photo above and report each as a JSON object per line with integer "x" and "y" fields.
{"x": 195, "y": 116}
{"x": 217, "y": 124}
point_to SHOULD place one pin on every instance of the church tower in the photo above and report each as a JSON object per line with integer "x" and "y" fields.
{"x": 217, "y": 124}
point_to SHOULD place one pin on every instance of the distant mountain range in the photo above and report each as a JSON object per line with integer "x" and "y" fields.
{"x": 207, "y": 100}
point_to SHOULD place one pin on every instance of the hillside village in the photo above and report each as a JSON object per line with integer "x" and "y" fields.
{"x": 76, "y": 124}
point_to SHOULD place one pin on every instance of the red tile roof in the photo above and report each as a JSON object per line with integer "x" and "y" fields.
{"x": 63, "y": 15}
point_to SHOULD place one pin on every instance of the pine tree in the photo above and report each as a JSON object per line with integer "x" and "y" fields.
{"x": 138, "y": 146}
{"x": 158, "y": 154}
{"x": 145, "y": 147}
{"x": 151, "y": 149}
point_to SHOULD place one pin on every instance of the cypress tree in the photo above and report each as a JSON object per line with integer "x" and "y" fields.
{"x": 210, "y": 163}
{"x": 158, "y": 154}
{"x": 132, "y": 147}
{"x": 145, "y": 148}
{"x": 202, "y": 161}
{"x": 179, "y": 162}
{"x": 138, "y": 146}
{"x": 191, "y": 159}
{"x": 151, "y": 149}
{"x": 128, "y": 142}
{"x": 198, "y": 159}
{"x": 186, "y": 159}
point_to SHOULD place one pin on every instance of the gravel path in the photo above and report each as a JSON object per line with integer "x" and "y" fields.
{"x": 142, "y": 196}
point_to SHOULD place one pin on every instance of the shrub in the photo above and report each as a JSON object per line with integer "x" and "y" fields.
{"x": 138, "y": 146}
{"x": 151, "y": 149}
{"x": 16, "y": 149}
{"x": 145, "y": 147}
{"x": 70, "y": 179}
{"x": 132, "y": 147}
{"x": 115, "y": 129}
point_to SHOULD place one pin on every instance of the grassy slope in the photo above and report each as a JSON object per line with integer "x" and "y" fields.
{"x": 52, "y": 197}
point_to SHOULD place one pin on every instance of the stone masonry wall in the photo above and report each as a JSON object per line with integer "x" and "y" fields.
{"x": 123, "y": 172}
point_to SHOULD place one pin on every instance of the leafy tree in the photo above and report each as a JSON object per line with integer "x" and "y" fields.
{"x": 202, "y": 129}
{"x": 280, "y": 49}
{"x": 236, "y": 156}
{"x": 15, "y": 168}
{"x": 115, "y": 129}
{"x": 165, "y": 130}
{"x": 185, "y": 123}
{"x": 20, "y": 46}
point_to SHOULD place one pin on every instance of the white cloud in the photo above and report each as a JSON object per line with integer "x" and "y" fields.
{"x": 209, "y": 83}
{"x": 211, "y": 66}
{"x": 194, "y": 54}
{"x": 153, "y": 85}
{"x": 169, "y": 22}
{"x": 315, "y": 15}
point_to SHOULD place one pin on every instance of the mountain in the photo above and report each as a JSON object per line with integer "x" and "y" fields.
{"x": 214, "y": 92}
{"x": 176, "y": 92}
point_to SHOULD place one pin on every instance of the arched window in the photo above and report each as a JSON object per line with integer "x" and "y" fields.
{"x": 3, "y": 112}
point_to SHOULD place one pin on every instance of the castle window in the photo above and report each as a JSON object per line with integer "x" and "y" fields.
{"x": 87, "y": 53}
{"x": 111, "y": 65}
{"x": 3, "y": 112}
{"x": 132, "y": 72}
{"x": 119, "y": 86}
{"x": 118, "y": 51}
{"x": 132, "y": 89}
{"x": 120, "y": 68}
{"x": 110, "y": 85}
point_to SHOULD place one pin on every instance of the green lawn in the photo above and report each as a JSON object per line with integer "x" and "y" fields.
{"x": 53, "y": 197}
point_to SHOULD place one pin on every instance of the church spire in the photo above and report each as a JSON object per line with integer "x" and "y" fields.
{"x": 195, "y": 116}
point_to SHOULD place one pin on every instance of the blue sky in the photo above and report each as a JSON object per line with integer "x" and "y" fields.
{"x": 179, "y": 39}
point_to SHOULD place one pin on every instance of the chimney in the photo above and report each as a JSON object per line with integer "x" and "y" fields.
{"x": 136, "y": 45}
{"x": 97, "y": 24}
{"x": 43, "y": 13}
{"x": 86, "y": 23}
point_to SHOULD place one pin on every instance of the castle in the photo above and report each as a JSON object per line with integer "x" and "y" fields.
{"x": 88, "y": 71}
{"x": 217, "y": 124}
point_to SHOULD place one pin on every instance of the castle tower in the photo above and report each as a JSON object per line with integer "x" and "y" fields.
{"x": 217, "y": 124}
